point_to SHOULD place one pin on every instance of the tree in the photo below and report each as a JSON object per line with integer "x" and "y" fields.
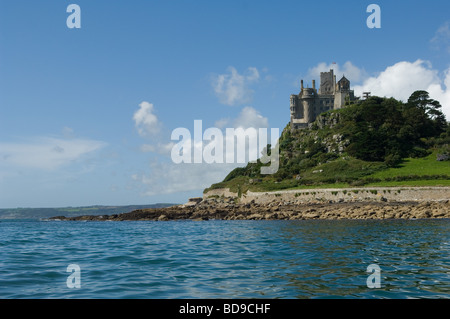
{"x": 431, "y": 109}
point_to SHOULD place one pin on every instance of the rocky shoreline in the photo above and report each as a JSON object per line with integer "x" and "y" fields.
{"x": 228, "y": 209}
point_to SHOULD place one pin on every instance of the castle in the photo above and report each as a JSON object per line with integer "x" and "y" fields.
{"x": 309, "y": 103}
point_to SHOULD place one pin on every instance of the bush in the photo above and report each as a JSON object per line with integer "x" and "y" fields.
{"x": 358, "y": 182}
{"x": 392, "y": 160}
{"x": 419, "y": 152}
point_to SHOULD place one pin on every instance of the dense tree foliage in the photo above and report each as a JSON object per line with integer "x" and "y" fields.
{"x": 382, "y": 129}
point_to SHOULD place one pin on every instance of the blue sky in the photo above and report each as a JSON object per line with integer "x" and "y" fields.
{"x": 86, "y": 114}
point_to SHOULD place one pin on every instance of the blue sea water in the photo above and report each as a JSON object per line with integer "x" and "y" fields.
{"x": 225, "y": 259}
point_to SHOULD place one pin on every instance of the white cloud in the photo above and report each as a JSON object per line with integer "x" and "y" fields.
{"x": 46, "y": 153}
{"x": 441, "y": 39}
{"x": 148, "y": 125}
{"x": 403, "y": 78}
{"x": 222, "y": 123}
{"x": 249, "y": 117}
{"x": 441, "y": 92}
{"x": 400, "y": 80}
{"x": 161, "y": 148}
{"x": 145, "y": 120}
{"x": 168, "y": 178}
{"x": 233, "y": 88}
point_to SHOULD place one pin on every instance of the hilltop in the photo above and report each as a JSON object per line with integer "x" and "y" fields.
{"x": 375, "y": 142}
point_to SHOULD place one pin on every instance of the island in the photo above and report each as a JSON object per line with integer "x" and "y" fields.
{"x": 340, "y": 157}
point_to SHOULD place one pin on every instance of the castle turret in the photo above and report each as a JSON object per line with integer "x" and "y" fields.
{"x": 308, "y": 96}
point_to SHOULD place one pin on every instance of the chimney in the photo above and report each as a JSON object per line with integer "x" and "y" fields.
{"x": 314, "y": 84}
{"x": 301, "y": 84}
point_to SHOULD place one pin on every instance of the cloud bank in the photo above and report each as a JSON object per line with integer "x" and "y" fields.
{"x": 233, "y": 88}
{"x": 46, "y": 153}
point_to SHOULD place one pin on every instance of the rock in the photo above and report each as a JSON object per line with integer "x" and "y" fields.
{"x": 311, "y": 215}
{"x": 389, "y": 215}
{"x": 438, "y": 214}
{"x": 194, "y": 201}
{"x": 255, "y": 216}
{"x": 163, "y": 218}
{"x": 284, "y": 209}
{"x": 443, "y": 157}
{"x": 422, "y": 215}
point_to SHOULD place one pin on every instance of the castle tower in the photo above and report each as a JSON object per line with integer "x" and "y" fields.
{"x": 327, "y": 83}
{"x": 307, "y": 98}
{"x": 343, "y": 93}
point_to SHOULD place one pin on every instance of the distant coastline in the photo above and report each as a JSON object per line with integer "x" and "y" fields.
{"x": 40, "y": 213}
{"x": 298, "y": 205}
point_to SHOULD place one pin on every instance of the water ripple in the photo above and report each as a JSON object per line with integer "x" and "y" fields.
{"x": 225, "y": 259}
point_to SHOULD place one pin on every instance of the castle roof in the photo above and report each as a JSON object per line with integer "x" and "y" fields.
{"x": 344, "y": 79}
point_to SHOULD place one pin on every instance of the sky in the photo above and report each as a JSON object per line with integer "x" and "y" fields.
{"x": 87, "y": 114}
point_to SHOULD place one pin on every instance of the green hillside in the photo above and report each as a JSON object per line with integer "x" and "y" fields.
{"x": 378, "y": 141}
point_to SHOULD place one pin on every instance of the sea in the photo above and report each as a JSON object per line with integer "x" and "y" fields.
{"x": 216, "y": 259}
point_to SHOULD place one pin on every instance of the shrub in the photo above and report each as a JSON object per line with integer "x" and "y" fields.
{"x": 419, "y": 152}
{"x": 392, "y": 160}
{"x": 358, "y": 182}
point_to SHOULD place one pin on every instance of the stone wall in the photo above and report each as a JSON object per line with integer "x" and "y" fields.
{"x": 220, "y": 192}
{"x": 351, "y": 195}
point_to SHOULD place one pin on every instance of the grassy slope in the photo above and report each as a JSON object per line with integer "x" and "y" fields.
{"x": 426, "y": 169}
{"x": 417, "y": 166}
{"x": 418, "y": 172}
{"x": 411, "y": 166}
{"x": 426, "y": 166}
